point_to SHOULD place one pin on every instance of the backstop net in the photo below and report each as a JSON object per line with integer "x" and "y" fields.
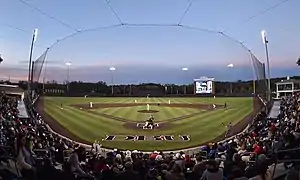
{"x": 37, "y": 70}
{"x": 156, "y": 53}
{"x": 261, "y": 86}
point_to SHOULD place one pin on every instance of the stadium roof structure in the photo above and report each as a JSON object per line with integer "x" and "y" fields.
{"x": 288, "y": 81}
{"x": 11, "y": 89}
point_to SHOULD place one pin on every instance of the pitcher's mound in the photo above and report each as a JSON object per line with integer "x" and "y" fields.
{"x": 146, "y": 111}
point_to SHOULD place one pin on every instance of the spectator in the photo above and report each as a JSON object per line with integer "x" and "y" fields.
{"x": 152, "y": 175}
{"x": 237, "y": 174}
{"x": 263, "y": 173}
{"x": 212, "y": 172}
{"x": 231, "y": 151}
{"x": 24, "y": 158}
{"x": 74, "y": 161}
{"x": 176, "y": 173}
{"x": 262, "y": 138}
{"x": 128, "y": 173}
{"x": 237, "y": 161}
{"x": 199, "y": 168}
{"x": 180, "y": 160}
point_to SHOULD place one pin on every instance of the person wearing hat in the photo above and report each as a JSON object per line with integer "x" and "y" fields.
{"x": 179, "y": 160}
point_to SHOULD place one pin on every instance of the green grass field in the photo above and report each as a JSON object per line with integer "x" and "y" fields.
{"x": 202, "y": 128}
{"x": 131, "y": 113}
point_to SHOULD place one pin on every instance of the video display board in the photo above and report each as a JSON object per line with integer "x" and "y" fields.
{"x": 204, "y": 85}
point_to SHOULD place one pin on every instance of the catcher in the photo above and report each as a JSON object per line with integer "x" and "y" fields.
{"x": 150, "y": 122}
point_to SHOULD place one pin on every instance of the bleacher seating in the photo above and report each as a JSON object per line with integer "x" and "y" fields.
{"x": 28, "y": 150}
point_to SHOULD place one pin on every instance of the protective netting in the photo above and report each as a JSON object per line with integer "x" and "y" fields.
{"x": 38, "y": 66}
{"x": 143, "y": 53}
{"x": 261, "y": 82}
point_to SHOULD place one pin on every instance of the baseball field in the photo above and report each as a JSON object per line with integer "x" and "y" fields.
{"x": 118, "y": 122}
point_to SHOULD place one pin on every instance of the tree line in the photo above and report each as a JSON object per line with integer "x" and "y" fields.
{"x": 102, "y": 88}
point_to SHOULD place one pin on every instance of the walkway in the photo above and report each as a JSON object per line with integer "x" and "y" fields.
{"x": 22, "y": 110}
{"x": 275, "y": 110}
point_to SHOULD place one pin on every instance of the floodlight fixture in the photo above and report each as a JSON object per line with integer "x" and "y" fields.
{"x": 265, "y": 41}
{"x": 264, "y": 36}
{"x": 185, "y": 69}
{"x": 230, "y": 65}
{"x": 35, "y": 33}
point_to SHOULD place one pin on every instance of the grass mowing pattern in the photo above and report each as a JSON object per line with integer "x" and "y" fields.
{"x": 202, "y": 128}
{"x": 132, "y": 113}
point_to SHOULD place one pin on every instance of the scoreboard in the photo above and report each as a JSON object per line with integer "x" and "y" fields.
{"x": 204, "y": 85}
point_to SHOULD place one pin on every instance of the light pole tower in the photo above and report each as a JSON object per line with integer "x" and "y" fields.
{"x": 230, "y": 66}
{"x": 184, "y": 85}
{"x": 112, "y": 69}
{"x": 265, "y": 41}
{"x": 68, "y": 64}
{"x": 34, "y": 36}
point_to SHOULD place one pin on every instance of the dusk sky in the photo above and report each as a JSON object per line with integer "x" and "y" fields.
{"x": 153, "y": 53}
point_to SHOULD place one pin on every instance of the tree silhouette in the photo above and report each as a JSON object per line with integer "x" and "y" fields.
{"x": 298, "y": 62}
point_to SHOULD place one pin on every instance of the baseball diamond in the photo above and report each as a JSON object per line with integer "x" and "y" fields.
{"x": 118, "y": 121}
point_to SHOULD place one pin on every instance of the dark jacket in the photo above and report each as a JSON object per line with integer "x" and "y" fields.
{"x": 130, "y": 175}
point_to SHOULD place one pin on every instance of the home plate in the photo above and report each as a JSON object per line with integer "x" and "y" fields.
{"x": 80, "y": 108}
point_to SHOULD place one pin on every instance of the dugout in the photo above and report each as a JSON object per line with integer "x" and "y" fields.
{"x": 12, "y": 90}
{"x": 16, "y": 91}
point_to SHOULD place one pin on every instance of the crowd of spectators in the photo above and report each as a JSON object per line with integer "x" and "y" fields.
{"x": 30, "y": 150}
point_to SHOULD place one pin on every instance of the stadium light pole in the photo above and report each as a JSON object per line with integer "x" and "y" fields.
{"x": 230, "y": 66}
{"x": 112, "y": 69}
{"x": 68, "y": 64}
{"x": 265, "y": 41}
{"x": 34, "y": 37}
{"x": 184, "y": 71}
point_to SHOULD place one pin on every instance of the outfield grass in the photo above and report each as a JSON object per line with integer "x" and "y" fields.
{"x": 202, "y": 128}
